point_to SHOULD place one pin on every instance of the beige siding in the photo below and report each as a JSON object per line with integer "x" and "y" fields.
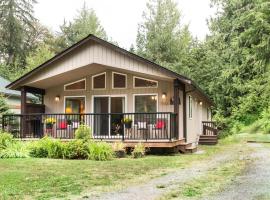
{"x": 95, "y": 53}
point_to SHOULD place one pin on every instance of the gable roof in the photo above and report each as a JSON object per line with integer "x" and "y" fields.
{"x": 3, "y": 90}
{"x": 183, "y": 79}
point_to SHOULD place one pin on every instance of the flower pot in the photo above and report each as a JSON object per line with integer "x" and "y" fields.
{"x": 49, "y": 126}
{"x": 128, "y": 125}
{"x": 120, "y": 154}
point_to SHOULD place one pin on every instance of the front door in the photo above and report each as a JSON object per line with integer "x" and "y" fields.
{"x": 106, "y": 124}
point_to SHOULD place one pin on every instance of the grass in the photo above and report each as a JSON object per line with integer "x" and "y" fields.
{"x": 33, "y": 178}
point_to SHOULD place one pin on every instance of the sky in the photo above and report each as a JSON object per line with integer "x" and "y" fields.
{"x": 120, "y": 18}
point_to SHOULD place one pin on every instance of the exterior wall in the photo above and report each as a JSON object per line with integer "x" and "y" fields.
{"x": 194, "y": 124}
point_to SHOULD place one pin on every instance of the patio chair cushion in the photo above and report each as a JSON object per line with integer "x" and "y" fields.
{"x": 142, "y": 125}
{"x": 62, "y": 125}
{"x": 160, "y": 124}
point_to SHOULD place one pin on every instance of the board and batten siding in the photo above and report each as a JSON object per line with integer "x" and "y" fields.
{"x": 95, "y": 53}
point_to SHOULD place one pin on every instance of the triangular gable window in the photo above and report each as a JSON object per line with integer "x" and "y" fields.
{"x": 77, "y": 85}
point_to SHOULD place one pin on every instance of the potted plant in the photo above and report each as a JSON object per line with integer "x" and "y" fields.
{"x": 127, "y": 122}
{"x": 119, "y": 149}
{"x": 50, "y": 122}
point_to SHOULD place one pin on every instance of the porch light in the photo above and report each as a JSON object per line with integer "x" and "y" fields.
{"x": 164, "y": 96}
{"x": 57, "y": 98}
{"x": 200, "y": 103}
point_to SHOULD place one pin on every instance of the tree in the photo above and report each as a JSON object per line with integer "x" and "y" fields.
{"x": 84, "y": 24}
{"x": 16, "y": 28}
{"x": 161, "y": 37}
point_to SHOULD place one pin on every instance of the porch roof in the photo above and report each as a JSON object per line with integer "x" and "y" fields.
{"x": 17, "y": 84}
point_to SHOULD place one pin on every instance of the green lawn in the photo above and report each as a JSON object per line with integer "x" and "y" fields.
{"x": 34, "y": 178}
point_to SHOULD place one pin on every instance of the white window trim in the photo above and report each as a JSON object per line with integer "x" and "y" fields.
{"x": 84, "y": 79}
{"x": 105, "y": 81}
{"x": 65, "y": 97}
{"x": 190, "y": 103}
{"x": 113, "y": 80}
{"x": 143, "y": 79}
{"x": 145, "y": 94}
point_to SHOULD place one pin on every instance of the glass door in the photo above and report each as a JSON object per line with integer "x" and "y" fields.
{"x": 106, "y": 124}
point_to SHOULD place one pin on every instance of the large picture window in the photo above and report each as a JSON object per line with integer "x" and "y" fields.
{"x": 119, "y": 80}
{"x": 144, "y": 83}
{"x": 99, "y": 81}
{"x": 74, "y": 105}
{"x": 77, "y": 85}
{"x": 145, "y": 103}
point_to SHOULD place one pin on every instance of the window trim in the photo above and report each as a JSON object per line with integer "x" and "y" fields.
{"x": 84, "y": 79}
{"x": 134, "y": 77}
{"x": 113, "y": 80}
{"x": 82, "y": 96}
{"x": 145, "y": 94}
{"x": 96, "y": 76}
{"x": 190, "y": 107}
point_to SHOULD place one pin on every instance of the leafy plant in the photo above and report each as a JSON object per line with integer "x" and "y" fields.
{"x": 139, "y": 151}
{"x": 83, "y": 132}
{"x": 50, "y": 121}
{"x": 119, "y": 149}
{"x": 100, "y": 151}
{"x": 5, "y": 139}
{"x": 127, "y": 120}
{"x": 76, "y": 149}
{"x": 14, "y": 150}
{"x": 56, "y": 149}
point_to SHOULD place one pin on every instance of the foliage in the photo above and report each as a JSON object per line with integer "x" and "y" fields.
{"x": 127, "y": 120}
{"x": 161, "y": 36}
{"x": 100, "y": 151}
{"x": 15, "y": 149}
{"x": 5, "y": 139}
{"x": 119, "y": 149}
{"x": 4, "y": 109}
{"x": 83, "y": 132}
{"x": 84, "y": 24}
{"x": 50, "y": 120}
{"x": 47, "y": 148}
{"x": 76, "y": 149}
{"x": 139, "y": 151}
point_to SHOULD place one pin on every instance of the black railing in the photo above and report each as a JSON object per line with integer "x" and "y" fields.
{"x": 124, "y": 126}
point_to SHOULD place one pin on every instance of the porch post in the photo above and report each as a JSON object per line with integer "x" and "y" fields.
{"x": 23, "y": 100}
{"x": 176, "y": 85}
{"x": 184, "y": 112}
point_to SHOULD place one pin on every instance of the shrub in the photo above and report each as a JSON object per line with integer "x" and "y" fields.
{"x": 83, "y": 132}
{"x": 119, "y": 149}
{"x": 14, "y": 150}
{"x": 139, "y": 151}
{"x": 47, "y": 147}
{"x": 100, "y": 151}
{"x": 76, "y": 149}
{"x": 5, "y": 140}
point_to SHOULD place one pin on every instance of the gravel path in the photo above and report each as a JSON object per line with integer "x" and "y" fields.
{"x": 158, "y": 186}
{"x": 254, "y": 184}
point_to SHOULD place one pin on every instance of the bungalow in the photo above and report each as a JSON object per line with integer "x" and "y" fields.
{"x": 120, "y": 95}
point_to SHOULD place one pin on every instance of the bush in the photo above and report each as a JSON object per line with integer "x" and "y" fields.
{"x": 47, "y": 148}
{"x": 5, "y": 140}
{"x": 100, "y": 151}
{"x": 83, "y": 132}
{"x": 139, "y": 151}
{"x": 14, "y": 150}
{"x": 76, "y": 149}
{"x": 119, "y": 149}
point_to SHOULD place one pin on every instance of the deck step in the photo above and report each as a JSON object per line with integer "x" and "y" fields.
{"x": 208, "y": 140}
{"x": 192, "y": 149}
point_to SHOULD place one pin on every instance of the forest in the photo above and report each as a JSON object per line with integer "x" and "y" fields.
{"x": 231, "y": 64}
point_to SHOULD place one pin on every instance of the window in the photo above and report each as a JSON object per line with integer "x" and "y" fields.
{"x": 99, "y": 81}
{"x": 190, "y": 102}
{"x": 74, "y": 105}
{"x": 145, "y": 103}
{"x": 209, "y": 114}
{"x": 144, "y": 83}
{"x": 119, "y": 80}
{"x": 77, "y": 85}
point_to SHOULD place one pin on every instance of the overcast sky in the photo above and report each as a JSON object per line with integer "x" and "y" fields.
{"x": 121, "y": 17}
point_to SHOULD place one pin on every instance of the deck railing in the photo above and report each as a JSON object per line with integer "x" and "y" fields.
{"x": 142, "y": 126}
{"x": 209, "y": 128}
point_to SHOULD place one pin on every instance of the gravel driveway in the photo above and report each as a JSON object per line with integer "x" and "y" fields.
{"x": 254, "y": 184}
